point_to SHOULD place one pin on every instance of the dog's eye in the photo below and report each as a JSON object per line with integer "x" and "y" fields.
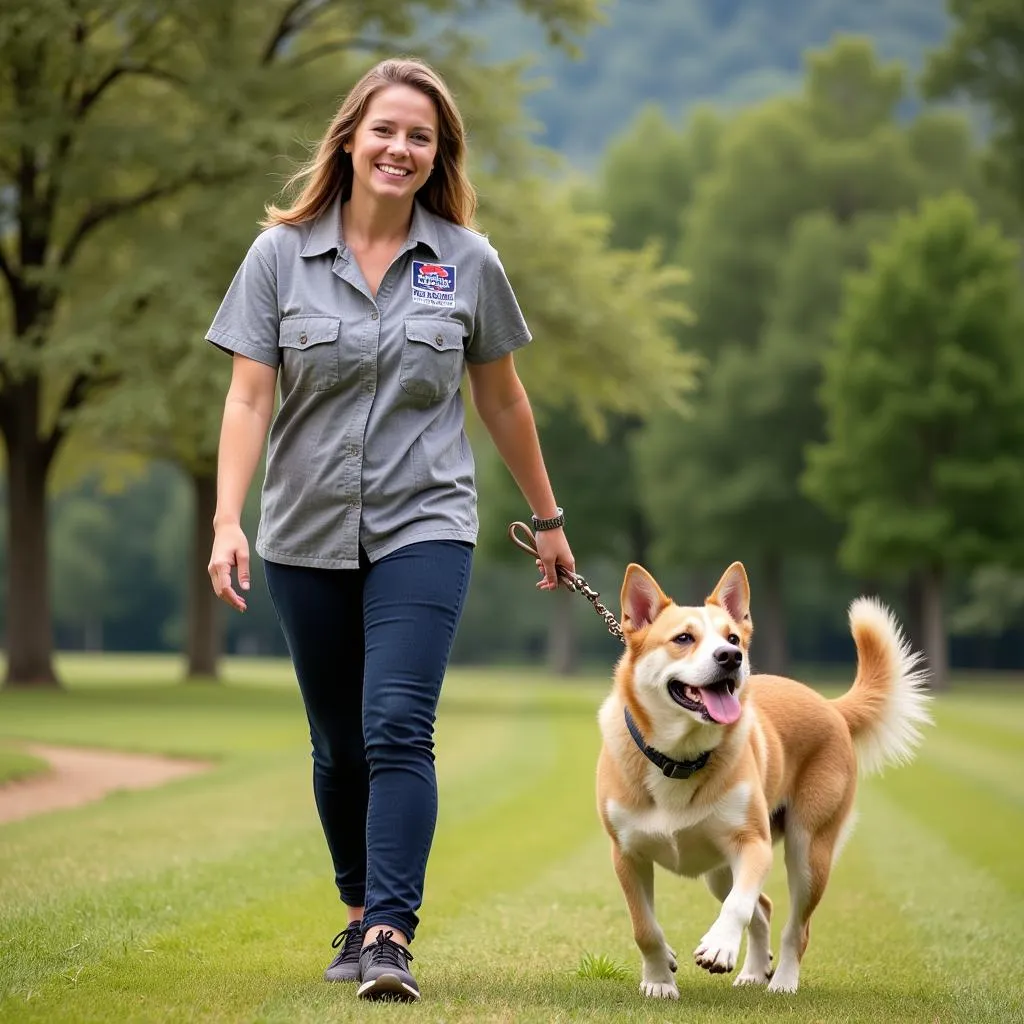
{"x": 733, "y": 639}
{"x": 684, "y": 638}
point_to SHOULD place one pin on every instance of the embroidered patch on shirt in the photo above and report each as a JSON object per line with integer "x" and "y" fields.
{"x": 433, "y": 284}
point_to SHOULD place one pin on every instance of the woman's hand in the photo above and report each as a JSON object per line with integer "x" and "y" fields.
{"x": 553, "y": 549}
{"x": 230, "y": 548}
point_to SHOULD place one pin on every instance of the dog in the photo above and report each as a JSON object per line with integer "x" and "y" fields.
{"x": 705, "y": 766}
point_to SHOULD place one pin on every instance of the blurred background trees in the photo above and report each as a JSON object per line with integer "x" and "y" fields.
{"x": 774, "y": 281}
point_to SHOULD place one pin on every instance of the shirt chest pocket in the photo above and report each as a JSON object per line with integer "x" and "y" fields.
{"x": 309, "y": 352}
{"x": 432, "y": 359}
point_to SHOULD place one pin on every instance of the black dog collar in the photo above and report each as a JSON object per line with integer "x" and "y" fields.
{"x": 670, "y": 769}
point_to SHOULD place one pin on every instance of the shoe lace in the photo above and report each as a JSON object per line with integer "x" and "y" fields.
{"x": 384, "y": 951}
{"x": 350, "y": 940}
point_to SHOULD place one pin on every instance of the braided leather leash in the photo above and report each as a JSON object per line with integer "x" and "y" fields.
{"x": 571, "y": 580}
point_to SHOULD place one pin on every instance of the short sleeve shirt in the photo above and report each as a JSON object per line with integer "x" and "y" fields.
{"x": 368, "y": 447}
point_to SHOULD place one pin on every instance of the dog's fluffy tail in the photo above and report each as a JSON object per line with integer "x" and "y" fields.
{"x": 887, "y": 705}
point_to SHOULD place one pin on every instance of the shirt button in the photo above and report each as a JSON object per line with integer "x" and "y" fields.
{"x": 373, "y": 316}
{"x": 371, "y": 387}
{"x": 439, "y": 341}
{"x": 303, "y": 339}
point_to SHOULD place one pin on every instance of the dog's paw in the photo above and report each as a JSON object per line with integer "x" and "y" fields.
{"x": 659, "y": 989}
{"x": 752, "y": 978}
{"x": 717, "y": 951}
{"x": 784, "y": 980}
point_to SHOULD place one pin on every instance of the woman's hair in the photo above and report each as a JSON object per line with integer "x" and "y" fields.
{"x": 447, "y": 192}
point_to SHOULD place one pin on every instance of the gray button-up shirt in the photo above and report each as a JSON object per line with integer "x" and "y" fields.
{"x": 368, "y": 446}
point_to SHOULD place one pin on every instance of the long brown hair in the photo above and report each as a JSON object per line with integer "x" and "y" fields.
{"x": 447, "y": 192}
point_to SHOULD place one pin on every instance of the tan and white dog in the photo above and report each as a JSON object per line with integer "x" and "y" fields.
{"x": 704, "y": 766}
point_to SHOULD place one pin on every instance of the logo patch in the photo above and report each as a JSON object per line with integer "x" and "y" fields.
{"x": 433, "y": 283}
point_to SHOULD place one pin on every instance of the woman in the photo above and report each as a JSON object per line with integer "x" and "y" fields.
{"x": 365, "y": 300}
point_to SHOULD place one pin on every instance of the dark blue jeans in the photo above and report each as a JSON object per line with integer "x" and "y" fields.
{"x": 370, "y": 647}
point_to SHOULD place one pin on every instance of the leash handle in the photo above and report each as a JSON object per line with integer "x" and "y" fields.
{"x": 571, "y": 580}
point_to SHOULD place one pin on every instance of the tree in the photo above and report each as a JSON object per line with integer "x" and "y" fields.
{"x": 797, "y": 191}
{"x": 111, "y": 107}
{"x": 724, "y": 484}
{"x": 924, "y": 404}
{"x": 800, "y": 188}
{"x": 984, "y": 59}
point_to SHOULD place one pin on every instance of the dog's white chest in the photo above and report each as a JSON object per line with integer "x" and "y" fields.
{"x": 687, "y": 841}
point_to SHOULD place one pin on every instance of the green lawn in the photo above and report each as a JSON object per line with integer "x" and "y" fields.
{"x": 211, "y": 899}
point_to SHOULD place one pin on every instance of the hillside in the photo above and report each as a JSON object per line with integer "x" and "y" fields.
{"x": 679, "y": 52}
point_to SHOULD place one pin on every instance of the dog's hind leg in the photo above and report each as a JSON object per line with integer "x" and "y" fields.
{"x": 636, "y": 877}
{"x": 757, "y": 966}
{"x": 808, "y": 864}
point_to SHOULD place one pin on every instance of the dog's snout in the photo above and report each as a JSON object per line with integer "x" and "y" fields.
{"x": 729, "y": 656}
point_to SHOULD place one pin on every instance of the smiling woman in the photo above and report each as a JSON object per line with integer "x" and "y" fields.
{"x": 367, "y": 300}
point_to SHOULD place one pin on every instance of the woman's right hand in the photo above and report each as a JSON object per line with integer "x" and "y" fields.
{"x": 230, "y": 548}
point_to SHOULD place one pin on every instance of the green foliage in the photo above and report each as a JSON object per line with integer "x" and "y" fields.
{"x": 983, "y": 58}
{"x": 602, "y": 317}
{"x": 924, "y": 398}
{"x": 994, "y": 604}
{"x": 798, "y": 192}
{"x": 646, "y": 166}
{"x": 724, "y": 483}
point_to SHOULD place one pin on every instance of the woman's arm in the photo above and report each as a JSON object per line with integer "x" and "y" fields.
{"x": 504, "y": 407}
{"x": 247, "y": 411}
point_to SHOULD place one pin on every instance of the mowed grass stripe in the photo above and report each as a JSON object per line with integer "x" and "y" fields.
{"x": 999, "y": 708}
{"x": 996, "y": 770}
{"x": 959, "y": 716}
{"x": 974, "y": 819}
{"x": 969, "y": 924}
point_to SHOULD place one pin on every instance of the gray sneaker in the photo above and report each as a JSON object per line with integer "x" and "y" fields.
{"x": 345, "y": 966}
{"x": 385, "y": 971}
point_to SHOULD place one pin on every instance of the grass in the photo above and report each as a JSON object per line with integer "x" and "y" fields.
{"x": 15, "y": 764}
{"x": 211, "y": 900}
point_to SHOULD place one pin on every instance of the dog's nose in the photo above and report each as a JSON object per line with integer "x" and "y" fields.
{"x": 729, "y": 656}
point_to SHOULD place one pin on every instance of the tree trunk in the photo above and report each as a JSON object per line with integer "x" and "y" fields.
{"x": 562, "y": 647}
{"x": 639, "y": 533}
{"x": 915, "y": 624}
{"x": 204, "y": 618}
{"x": 934, "y": 638}
{"x": 29, "y": 625}
{"x": 771, "y": 646}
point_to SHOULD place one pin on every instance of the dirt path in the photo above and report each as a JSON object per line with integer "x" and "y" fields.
{"x": 81, "y": 776}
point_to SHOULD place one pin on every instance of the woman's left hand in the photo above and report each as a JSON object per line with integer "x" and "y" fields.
{"x": 553, "y": 549}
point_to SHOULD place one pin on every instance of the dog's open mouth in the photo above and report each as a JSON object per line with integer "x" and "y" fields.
{"x": 716, "y": 702}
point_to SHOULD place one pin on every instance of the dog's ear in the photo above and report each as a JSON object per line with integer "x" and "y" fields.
{"x": 733, "y": 593}
{"x": 642, "y": 598}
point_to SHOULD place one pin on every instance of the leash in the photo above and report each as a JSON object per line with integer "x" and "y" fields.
{"x": 571, "y": 580}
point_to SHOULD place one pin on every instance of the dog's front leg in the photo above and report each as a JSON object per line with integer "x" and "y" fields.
{"x": 719, "y": 949}
{"x": 636, "y": 876}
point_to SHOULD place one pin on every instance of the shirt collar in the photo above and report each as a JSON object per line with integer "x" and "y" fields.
{"x": 325, "y": 234}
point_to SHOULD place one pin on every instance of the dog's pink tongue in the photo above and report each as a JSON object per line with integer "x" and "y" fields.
{"x": 723, "y": 706}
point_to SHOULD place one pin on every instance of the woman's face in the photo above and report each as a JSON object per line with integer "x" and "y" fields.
{"x": 394, "y": 146}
